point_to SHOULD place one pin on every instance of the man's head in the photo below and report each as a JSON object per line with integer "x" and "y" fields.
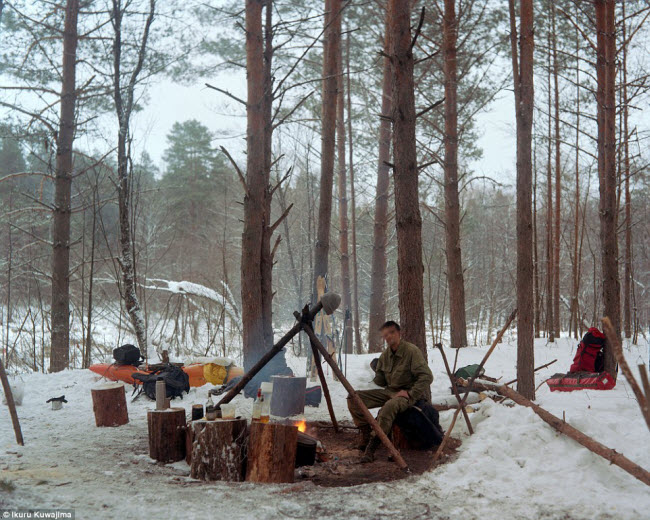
{"x": 390, "y": 331}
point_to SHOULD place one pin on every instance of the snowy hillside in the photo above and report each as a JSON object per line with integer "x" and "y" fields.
{"x": 515, "y": 466}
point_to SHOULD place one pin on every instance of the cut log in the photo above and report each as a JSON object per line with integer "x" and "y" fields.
{"x": 109, "y": 404}
{"x": 271, "y": 453}
{"x": 167, "y": 434}
{"x": 563, "y": 427}
{"x": 219, "y": 450}
{"x": 288, "y": 395}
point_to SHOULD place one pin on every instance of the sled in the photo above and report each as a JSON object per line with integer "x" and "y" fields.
{"x": 199, "y": 373}
{"x": 581, "y": 381}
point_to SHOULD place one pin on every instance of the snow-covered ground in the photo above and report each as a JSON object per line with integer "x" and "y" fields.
{"x": 514, "y": 466}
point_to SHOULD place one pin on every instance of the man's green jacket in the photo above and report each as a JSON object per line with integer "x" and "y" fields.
{"x": 404, "y": 369}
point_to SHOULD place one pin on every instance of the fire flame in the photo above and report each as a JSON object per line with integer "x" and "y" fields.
{"x": 302, "y": 426}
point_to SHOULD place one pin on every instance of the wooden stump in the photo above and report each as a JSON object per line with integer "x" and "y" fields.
{"x": 219, "y": 449}
{"x": 399, "y": 439}
{"x": 288, "y": 395}
{"x": 109, "y": 404}
{"x": 167, "y": 434}
{"x": 271, "y": 453}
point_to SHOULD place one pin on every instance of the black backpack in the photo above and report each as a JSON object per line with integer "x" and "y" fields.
{"x": 419, "y": 424}
{"x": 176, "y": 382}
{"x": 127, "y": 355}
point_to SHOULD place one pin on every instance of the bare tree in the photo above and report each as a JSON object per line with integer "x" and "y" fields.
{"x": 377, "y": 304}
{"x": 606, "y": 100}
{"x": 408, "y": 219}
{"x": 524, "y": 101}
{"x": 332, "y": 43}
{"x": 60, "y": 309}
{"x": 124, "y": 99}
{"x": 455, "y": 277}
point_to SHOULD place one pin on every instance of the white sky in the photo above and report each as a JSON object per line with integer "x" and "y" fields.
{"x": 170, "y": 103}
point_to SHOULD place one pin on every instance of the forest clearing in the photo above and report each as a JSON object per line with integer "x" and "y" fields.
{"x": 365, "y": 259}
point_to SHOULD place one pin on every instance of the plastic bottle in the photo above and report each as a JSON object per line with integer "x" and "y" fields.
{"x": 257, "y": 407}
{"x": 265, "y": 411}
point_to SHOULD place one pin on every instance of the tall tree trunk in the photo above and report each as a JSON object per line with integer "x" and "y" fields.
{"x": 328, "y": 124}
{"x": 346, "y": 288}
{"x": 606, "y": 100}
{"x": 407, "y": 203}
{"x": 524, "y": 101}
{"x": 377, "y": 304}
{"x": 535, "y": 255}
{"x": 353, "y": 227}
{"x": 266, "y": 278}
{"x": 576, "y": 228}
{"x": 254, "y": 198}
{"x": 627, "y": 280}
{"x": 550, "y": 267}
{"x": 455, "y": 277}
{"x": 60, "y": 308}
{"x": 558, "y": 187}
{"x": 89, "y": 337}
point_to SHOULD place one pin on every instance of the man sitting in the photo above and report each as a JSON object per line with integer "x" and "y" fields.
{"x": 405, "y": 376}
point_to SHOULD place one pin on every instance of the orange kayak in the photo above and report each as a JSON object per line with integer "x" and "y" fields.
{"x": 199, "y": 374}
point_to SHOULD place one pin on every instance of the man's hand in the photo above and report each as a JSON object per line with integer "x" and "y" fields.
{"x": 402, "y": 393}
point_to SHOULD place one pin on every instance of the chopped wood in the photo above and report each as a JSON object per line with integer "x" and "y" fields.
{"x": 271, "y": 453}
{"x": 219, "y": 449}
{"x": 109, "y": 405}
{"x": 167, "y": 434}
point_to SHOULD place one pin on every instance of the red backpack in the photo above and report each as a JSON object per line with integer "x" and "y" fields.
{"x": 590, "y": 355}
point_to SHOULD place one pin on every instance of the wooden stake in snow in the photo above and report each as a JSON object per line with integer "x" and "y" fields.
{"x": 592, "y": 445}
{"x": 615, "y": 345}
{"x": 455, "y": 389}
{"x": 11, "y": 404}
{"x": 461, "y": 405}
{"x": 355, "y": 397}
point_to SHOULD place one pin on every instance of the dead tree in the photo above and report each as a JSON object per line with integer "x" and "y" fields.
{"x": 455, "y": 278}
{"x": 377, "y": 304}
{"x": 124, "y": 99}
{"x": 60, "y": 309}
{"x": 408, "y": 219}
{"x": 606, "y": 117}
{"x": 524, "y": 100}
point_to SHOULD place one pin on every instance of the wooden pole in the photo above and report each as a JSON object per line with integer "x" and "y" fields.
{"x": 615, "y": 345}
{"x": 461, "y": 405}
{"x": 11, "y": 404}
{"x": 455, "y": 388}
{"x": 323, "y": 383}
{"x": 563, "y": 427}
{"x": 355, "y": 397}
{"x": 230, "y": 395}
{"x": 538, "y": 368}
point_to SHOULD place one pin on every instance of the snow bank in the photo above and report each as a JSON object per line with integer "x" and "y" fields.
{"x": 513, "y": 467}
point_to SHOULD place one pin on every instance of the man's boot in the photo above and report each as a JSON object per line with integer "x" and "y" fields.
{"x": 364, "y": 437}
{"x": 369, "y": 454}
